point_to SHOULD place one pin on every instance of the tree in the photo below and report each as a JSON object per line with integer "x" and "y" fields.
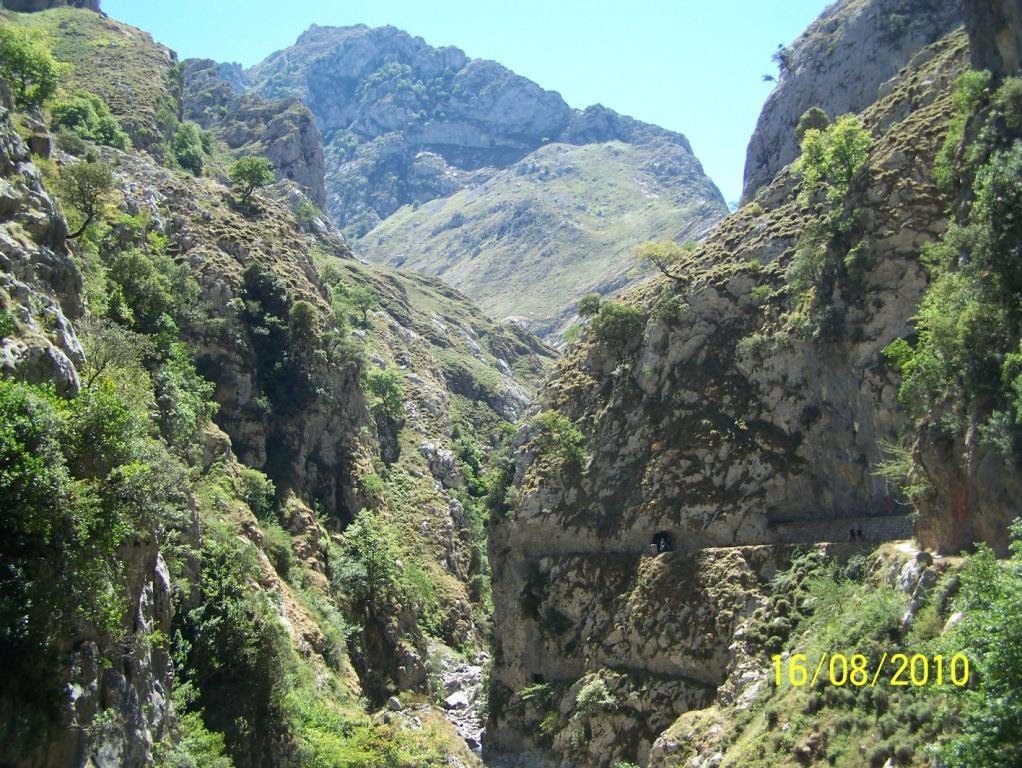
{"x": 188, "y": 148}
{"x": 670, "y": 258}
{"x": 85, "y": 186}
{"x": 589, "y": 305}
{"x": 87, "y": 116}
{"x": 782, "y": 58}
{"x": 368, "y": 569}
{"x": 249, "y": 174}
{"x": 387, "y": 386}
{"x": 832, "y": 156}
{"x": 303, "y": 322}
{"x": 814, "y": 117}
{"x": 364, "y": 299}
{"x": 28, "y": 66}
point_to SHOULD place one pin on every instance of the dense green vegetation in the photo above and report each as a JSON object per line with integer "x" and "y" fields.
{"x": 965, "y": 361}
{"x": 28, "y": 67}
{"x": 828, "y": 257}
{"x": 88, "y": 117}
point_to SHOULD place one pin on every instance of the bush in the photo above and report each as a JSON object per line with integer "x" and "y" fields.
{"x": 556, "y": 436}
{"x": 28, "y": 67}
{"x": 88, "y": 117}
{"x": 258, "y": 491}
{"x": 76, "y": 478}
{"x": 813, "y": 119}
{"x": 387, "y": 388}
{"x": 589, "y": 305}
{"x": 237, "y": 653}
{"x": 278, "y": 549}
{"x": 188, "y": 148}
{"x": 594, "y": 697}
{"x": 832, "y": 156}
{"x": 618, "y": 322}
{"x": 184, "y": 398}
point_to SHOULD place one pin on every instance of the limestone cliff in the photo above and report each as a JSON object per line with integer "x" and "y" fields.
{"x": 838, "y": 64}
{"x": 718, "y": 423}
{"x": 282, "y": 131}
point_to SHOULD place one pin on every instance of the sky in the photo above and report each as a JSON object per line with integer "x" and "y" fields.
{"x": 692, "y": 66}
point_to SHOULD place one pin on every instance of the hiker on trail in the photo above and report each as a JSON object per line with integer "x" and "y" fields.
{"x": 662, "y": 542}
{"x": 851, "y": 533}
{"x": 859, "y": 532}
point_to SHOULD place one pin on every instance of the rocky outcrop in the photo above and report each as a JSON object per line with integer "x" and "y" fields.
{"x": 723, "y": 426}
{"x": 838, "y": 64}
{"x": 406, "y": 123}
{"x": 282, "y": 131}
{"x": 995, "y": 33}
{"x": 33, "y": 6}
{"x": 40, "y": 286}
{"x": 307, "y": 440}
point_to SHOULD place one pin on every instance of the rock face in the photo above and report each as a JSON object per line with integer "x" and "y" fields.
{"x": 40, "y": 286}
{"x": 32, "y": 6}
{"x": 838, "y": 64}
{"x": 995, "y": 32}
{"x": 716, "y": 426}
{"x": 282, "y": 131}
{"x": 382, "y": 97}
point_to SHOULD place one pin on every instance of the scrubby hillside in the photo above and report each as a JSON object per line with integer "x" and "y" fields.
{"x": 244, "y": 473}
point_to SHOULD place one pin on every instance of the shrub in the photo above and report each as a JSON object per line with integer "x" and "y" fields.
{"x": 594, "y": 697}
{"x": 813, "y": 119}
{"x": 258, "y": 491}
{"x": 28, "y": 67}
{"x": 618, "y": 322}
{"x": 237, "y": 654}
{"x": 832, "y": 156}
{"x": 88, "y": 117}
{"x": 8, "y": 326}
{"x": 589, "y": 305}
{"x": 188, "y": 148}
{"x": 278, "y": 549}
{"x": 556, "y": 436}
{"x": 184, "y": 398}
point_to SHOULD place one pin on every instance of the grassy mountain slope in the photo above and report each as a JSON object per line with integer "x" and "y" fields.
{"x": 566, "y": 218}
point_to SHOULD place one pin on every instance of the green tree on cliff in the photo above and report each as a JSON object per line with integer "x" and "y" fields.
{"x": 249, "y": 174}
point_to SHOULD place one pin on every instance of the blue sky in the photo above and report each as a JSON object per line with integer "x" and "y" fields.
{"x": 688, "y": 65}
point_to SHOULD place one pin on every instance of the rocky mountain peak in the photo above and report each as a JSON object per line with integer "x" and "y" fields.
{"x": 382, "y": 97}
